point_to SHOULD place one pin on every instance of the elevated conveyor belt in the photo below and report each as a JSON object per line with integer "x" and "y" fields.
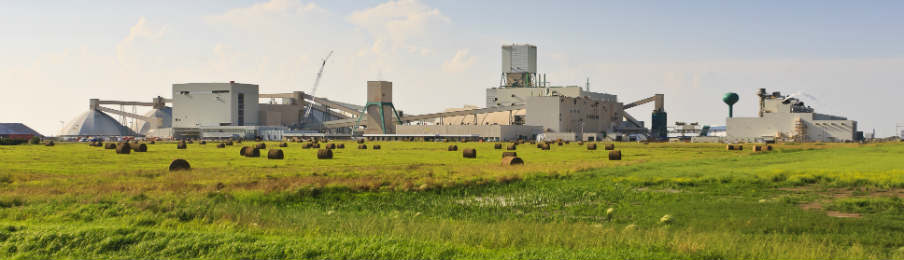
{"x": 351, "y": 122}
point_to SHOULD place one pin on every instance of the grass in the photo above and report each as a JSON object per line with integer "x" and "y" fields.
{"x": 418, "y": 201}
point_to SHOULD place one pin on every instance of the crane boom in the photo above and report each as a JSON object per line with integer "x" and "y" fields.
{"x": 310, "y": 107}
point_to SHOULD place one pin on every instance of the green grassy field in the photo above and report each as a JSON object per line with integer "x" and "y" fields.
{"x": 414, "y": 200}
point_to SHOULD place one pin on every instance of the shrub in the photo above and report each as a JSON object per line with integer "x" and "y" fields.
{"x": 7, "y": 141}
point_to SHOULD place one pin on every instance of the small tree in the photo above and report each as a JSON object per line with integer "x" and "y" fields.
{"x": 35, "y": 140}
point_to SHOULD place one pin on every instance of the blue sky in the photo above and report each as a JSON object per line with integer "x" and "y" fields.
{"x": 845, "y": 55}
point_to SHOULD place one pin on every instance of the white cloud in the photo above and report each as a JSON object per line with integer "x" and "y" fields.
{"x": 403, "y": 24}
{"x": 462, "y": 61}
{"x": 140, "y": 31}
{"x": 240, "y": 16}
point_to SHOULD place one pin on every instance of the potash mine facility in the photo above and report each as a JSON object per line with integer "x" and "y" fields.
{"x": 523, "y": 106}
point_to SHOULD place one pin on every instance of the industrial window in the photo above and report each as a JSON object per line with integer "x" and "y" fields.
{"x": 184, "y": 92}
{"x": 220, "y": 91}
{"x": 241, "y": 109}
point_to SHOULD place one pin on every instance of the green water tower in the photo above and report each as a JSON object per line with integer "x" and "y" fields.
{"x": 730, "y": 99}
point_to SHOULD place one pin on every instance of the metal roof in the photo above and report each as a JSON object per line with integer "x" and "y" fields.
{"x": 95, "y": 123}
{"x": 166, "y": 119}
{"x": 17, "y": 129}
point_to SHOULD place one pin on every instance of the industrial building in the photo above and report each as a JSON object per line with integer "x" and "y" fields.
{"x": 787, "y": 119}
{"x": 17, "y": 131}
{"x": 523, "y": 106}
{"x": 524, "y": 98}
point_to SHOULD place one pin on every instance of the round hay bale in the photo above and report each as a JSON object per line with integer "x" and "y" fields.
{"x": 229, "y": 143}
{"x": 567, "y": 142}
{"x": 261, "y": 146}
{"x": 453, "y": 148}
{"x": 316, "y": 145}
{"x": 362, "y": 146}
{"x": 580, "y": 142}
{"x": 110, "y": 146}
{"x": 306, "y": 146}
{"x": 615, "y": 155}
{"x": 251, "y": 152}
{"x": 179, "y": 165}
{"x": 181, "y": 145}
{"x": 331, "y": 146}
{"x": 360, "y": 141}
{"x": 497, "y": 146}
{"x": 512, "y": 160}
{"x": 509, "y": 154}
{"x": 242, "y": 150}
{"x": 276, "y": 154}
{"x": 591, "y": 146}
{"x": 559, "y": 143}
{"x": 49, "y": 143}
{"x": 376, "y": 147}
{"x": 152, "y": 142}
{"x": 544, "y": 146}
{"x": 757, "y": 148}
{"x": 768, "y": 148}
{"x": 327, "y": 153}
{"x": 123, "y": 148}
{"x": 512, "y": 147}
{"x": 221, "y": 145}
{"x": 740, "y": 148}
{"x": 730, "y": 147}
{"x": 140, "y": 148}
{"x": 283, "y": 145}
{"x": 340, "y": 146}
{"x": 202, "y": 142}
{"x": 469, "y": 153}
{"x": 610, "y": 147}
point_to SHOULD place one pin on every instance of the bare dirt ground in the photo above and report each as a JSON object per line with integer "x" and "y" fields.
{"x": 829, "y": 194}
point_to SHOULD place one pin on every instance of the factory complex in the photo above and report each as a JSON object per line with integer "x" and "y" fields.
{"x": 787, "y": 119}
{"x": 523, "y": 106}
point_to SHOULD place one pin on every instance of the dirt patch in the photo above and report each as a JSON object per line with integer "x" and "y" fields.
{"x": 839, "y": 193}
{"x": 830, "y": 194}
{"x": 645, "y": 189}
{"x": 838, "y": 214}
{"x": 815, "y": 205}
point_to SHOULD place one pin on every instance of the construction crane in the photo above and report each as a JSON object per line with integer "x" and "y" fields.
{"x": 307, "y": 112}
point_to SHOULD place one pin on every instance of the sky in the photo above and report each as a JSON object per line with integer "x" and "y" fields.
{"x": 841, "y": 57}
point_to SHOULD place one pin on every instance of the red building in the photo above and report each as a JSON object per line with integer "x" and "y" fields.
{"x": 17, "y": 131}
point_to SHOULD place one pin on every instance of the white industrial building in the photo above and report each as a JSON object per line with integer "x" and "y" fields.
{"x": 784, "y": 118}
{"x": 528, "y": 107}
{"x": 214, "y": 104}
